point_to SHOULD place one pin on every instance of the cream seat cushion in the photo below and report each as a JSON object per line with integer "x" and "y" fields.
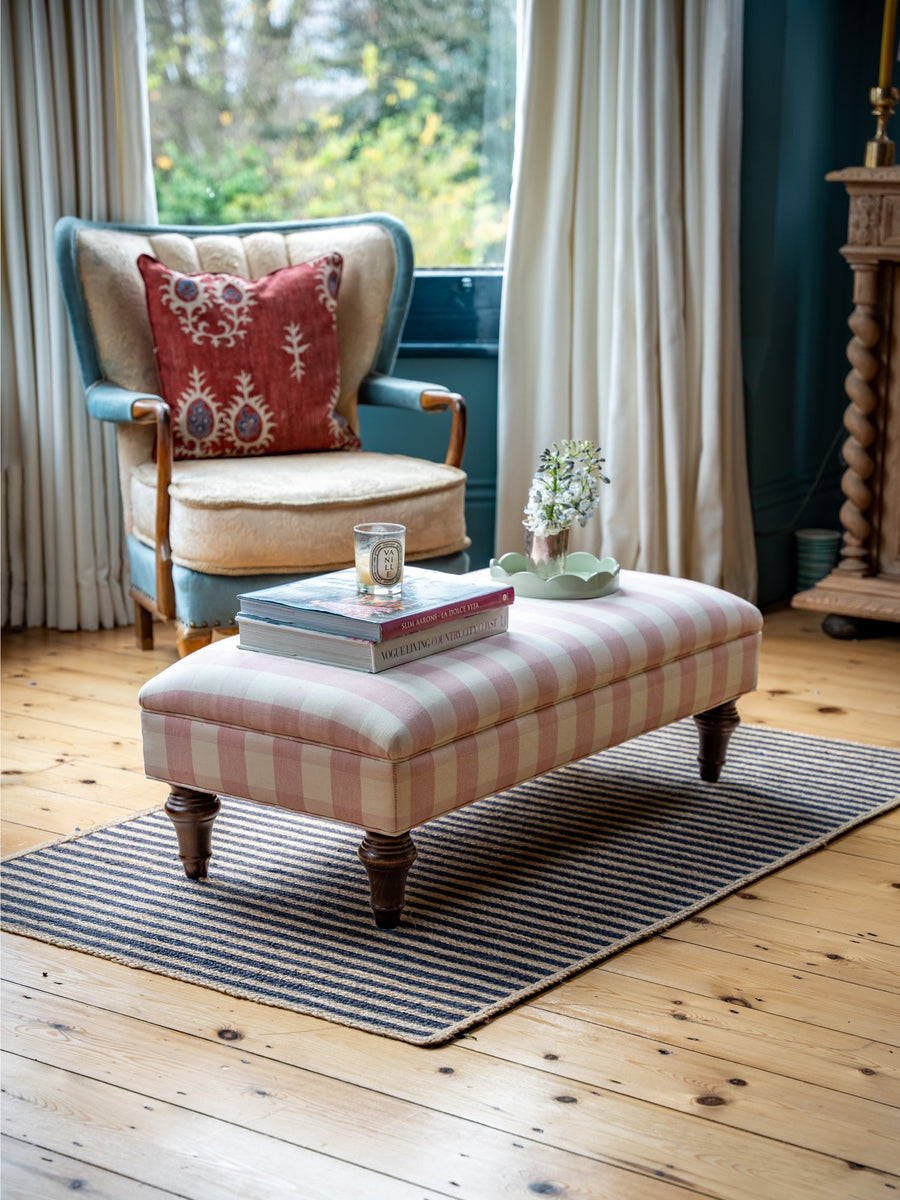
{"x": 292, "y": 523}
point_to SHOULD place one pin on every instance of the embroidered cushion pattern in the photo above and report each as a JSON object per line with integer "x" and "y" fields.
{"x": 249, "y": 367}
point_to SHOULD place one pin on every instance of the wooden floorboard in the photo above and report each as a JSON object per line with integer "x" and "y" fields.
{"x": 750, "y": 1053}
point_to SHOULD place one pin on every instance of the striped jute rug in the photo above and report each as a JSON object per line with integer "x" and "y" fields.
{"x": 507, "y": 897}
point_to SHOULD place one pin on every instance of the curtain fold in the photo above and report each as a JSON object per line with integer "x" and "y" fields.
{"x": 76, "y": 141}
{"x": 620, "y": 317}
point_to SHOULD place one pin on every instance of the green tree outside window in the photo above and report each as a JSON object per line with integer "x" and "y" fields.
{"x": 317, "y": 108}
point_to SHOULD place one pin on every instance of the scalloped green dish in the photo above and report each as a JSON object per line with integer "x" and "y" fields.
{"x": 586, "y": 577}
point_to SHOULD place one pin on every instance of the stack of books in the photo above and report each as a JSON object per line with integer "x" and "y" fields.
{"x": 324, "y": 620}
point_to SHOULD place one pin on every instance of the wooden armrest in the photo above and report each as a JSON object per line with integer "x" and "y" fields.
{"x": 396, "y": 392}
{"x": 437, "y": 402}
{"x": 151, "y": 410}
{"x": 109, "y": 402}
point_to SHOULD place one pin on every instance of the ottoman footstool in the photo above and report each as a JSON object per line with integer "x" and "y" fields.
{"x": 387, "y": 752}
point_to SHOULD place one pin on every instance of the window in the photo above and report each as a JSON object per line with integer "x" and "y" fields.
{"x": 316, "y": 108}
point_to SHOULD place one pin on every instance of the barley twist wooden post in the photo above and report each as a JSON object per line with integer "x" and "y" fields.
{"x": 864, "y": 587}
{"x": 859, "y": 420}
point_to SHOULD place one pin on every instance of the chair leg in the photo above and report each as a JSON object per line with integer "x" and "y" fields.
{"x": 188, "y": 640}
{"x": 192, "y": 813}
{"x": 387, "y": 860}
{"x": 143, "y": 626}
{"x": 715, "y": 728}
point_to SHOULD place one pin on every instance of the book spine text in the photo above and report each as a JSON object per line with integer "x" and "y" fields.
{"x": 447, "y": 612}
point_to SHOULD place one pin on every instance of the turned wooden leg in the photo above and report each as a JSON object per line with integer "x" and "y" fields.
{"x": 192, "y": 813}
{"x": 715, "y": 728}
{"x": 188, "y": 639}
{"x": 143, "y": 626}
{"x": 387, "y": 860}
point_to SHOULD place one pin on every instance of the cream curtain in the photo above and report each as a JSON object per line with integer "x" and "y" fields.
{"x": 75, "y": 141}
{"x": 620, "y": 316}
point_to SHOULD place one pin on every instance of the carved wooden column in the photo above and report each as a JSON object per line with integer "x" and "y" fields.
{"x": 859, "y": 421}
{"x": 865, "y": 584}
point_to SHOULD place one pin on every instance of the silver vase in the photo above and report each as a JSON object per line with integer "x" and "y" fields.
{"x": 546, "y": 552}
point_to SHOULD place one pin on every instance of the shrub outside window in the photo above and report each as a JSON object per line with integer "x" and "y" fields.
{"x": 316, "y": 108}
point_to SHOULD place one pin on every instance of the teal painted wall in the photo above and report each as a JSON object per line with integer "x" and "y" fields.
{"x": 808, "y": 67}
{"x": 426, "y": 435}
{"x": 451, "y": 338}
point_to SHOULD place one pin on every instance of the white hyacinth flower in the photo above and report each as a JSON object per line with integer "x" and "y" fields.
{"x": 565, "y": 488}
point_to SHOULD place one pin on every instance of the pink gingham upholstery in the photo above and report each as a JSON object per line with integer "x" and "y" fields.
{"x": 389, "y": 751}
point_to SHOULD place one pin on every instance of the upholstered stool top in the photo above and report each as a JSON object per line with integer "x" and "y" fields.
{"x": 391, "y": 750}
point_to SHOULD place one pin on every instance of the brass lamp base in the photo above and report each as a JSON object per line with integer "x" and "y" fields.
{"x": 880, "y": 151}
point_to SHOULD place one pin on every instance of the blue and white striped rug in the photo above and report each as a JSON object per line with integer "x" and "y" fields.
{"x": 506, "y": 898}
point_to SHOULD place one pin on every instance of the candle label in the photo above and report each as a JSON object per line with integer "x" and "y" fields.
{"x": 386, "y": 562}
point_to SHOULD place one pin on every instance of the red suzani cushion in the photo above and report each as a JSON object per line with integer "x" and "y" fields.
{"x": 249, "y": 367}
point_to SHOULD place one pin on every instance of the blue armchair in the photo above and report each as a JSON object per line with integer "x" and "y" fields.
{"x": 201, "y": 530}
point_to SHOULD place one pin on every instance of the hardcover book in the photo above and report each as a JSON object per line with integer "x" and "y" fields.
{"x": 291, "y": 641}
{"x": 331, "y": 604}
